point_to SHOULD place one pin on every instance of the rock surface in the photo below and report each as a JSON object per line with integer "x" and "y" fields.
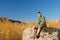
{"x": 46, "y": 34}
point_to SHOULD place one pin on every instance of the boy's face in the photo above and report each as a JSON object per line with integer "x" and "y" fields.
{"x": 39, "y": 14}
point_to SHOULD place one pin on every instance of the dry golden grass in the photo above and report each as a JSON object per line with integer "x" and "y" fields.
{"x": 54, "y": 24}
{"x": 13, "y": 31}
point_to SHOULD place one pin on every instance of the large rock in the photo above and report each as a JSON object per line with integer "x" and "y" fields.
{"x": 46, "y": 34}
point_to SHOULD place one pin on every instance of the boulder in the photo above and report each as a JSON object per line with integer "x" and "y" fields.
{"x": 46, "y": 34}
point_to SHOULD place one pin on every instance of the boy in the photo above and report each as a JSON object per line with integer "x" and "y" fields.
{"x": 40, "y": 25}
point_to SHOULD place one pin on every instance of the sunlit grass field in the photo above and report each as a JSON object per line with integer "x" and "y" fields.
{"x": 13, "y": 31}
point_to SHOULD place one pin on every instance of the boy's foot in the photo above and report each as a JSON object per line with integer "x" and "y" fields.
{"x": 38, "y": 36}
{"x": 32, "y": 37}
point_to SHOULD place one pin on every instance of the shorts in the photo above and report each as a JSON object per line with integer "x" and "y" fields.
{"x": 37, "y": 27}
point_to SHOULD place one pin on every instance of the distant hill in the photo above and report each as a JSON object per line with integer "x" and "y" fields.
{"x": 6, "y": 19}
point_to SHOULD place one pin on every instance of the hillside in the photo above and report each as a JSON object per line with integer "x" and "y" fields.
{"x": 53, "y": 23}
{"x": 12, "y": 29}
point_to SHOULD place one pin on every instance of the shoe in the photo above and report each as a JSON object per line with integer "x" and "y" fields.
{"x": 38, "y": 37}
{"x": 33, "y": 37}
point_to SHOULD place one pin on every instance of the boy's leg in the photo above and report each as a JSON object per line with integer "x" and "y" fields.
{"x": 38, "y": 32}
{"x": 33, "y": 32}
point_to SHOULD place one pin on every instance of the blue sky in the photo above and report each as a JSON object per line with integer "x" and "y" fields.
{"x": 26, "y": 10}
